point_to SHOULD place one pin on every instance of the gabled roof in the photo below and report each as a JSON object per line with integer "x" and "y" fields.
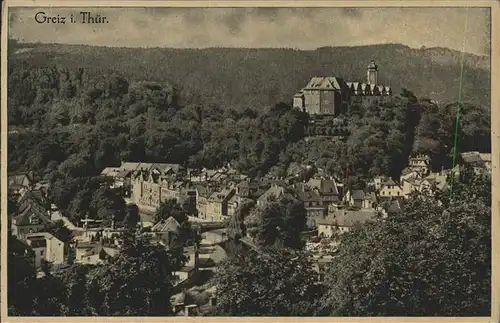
{"x": 335, "y": 82}
{"x": 203, "y": 190}
{"x": 358, "y": 194}
{"x": 347, "y": 218}
{"x": 164, "y": 168}
{"x": 144, "y": 166}
{"x": 307, "y": 195}
{"x": 413, "y": 180}
{"x": 324, "y": 186}
{"x": 325, "y": 83}
{"x": 475, "y": 156}
{"x": 277, "y": 192}
{"x": 314, "y": 82}
{"x": 31, "y": 210}
{"x": 19, "y": 180}
{"x": 33, "y": 196}
{"x": 220, "y": 196}
{"x": 110, "y": 171}
{"x": 42, "y": 235}
{"x": 218, "y": 177}
{"x": 485, "y": 157}
{"x": 389, "y": 182}
{"x": 437, "y": 179}
{"x": 370, "y": 197}
{"x": 129, "y": 166}
{"x": 168, "y": 225}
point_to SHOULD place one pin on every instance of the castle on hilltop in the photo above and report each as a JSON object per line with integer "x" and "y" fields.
{"x": 330, "y": 95}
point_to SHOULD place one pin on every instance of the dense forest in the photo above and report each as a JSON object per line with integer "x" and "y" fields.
{"x": 256, "y": 78}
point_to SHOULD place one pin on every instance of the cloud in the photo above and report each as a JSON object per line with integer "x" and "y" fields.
{"x": 304, "y": 28}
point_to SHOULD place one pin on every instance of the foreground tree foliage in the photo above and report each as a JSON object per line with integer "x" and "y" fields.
{"x": 137, "y": 282}
{"x": 279, "y": 223}
{"x": 432, "y": 258}
{"x": 274, "y": 282}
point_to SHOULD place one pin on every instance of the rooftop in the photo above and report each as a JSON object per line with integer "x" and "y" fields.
{"x": 347, "y": 218}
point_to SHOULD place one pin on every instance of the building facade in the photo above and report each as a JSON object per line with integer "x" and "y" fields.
{"x": 330, "y": 95}
{"x": 154, "y": 184}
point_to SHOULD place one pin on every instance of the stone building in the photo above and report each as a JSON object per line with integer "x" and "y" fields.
{"x": 330, "y": 95}
{"x": 157, "y": 183}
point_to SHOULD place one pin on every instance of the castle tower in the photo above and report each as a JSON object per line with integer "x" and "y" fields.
{"x": 371, "y": 73}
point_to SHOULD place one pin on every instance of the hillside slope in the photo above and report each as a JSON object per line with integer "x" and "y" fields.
{"x": 258, "y": 78}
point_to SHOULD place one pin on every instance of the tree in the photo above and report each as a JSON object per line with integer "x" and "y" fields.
{"x": 107, "y": 205}
{"x": 74, "y": 278}
{"x": 59, "y": 230}
{"x": 278, "y": 223}
{"x": 12, "y": 203}
{"x": 138, "y": 281}
{"x": 132, "y": 216}
{"x": 21, "y": 276}
{"x": 170, "y": 208}
{"x": 236, "y": 227}
{"x": 431, "y": 258}
{"x": 274, "y": 282}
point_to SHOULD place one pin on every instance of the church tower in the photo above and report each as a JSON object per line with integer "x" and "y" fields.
{"x": 371, "y": 73}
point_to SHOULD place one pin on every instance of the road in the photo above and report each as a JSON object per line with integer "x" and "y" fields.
{"x": 58, "y": 216}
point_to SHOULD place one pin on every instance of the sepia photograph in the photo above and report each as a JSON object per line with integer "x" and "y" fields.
{"x": 219, "y": 160}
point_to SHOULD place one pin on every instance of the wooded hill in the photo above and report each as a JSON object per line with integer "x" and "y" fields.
{"x": 258, "y": 78}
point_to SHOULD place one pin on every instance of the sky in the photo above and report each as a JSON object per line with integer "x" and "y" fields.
{"x": 300, "y": 28}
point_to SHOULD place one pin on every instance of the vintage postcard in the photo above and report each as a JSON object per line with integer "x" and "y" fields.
{"x": 251, "y": 159}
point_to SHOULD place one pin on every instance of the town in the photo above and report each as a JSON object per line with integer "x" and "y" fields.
{"x": 214, "y": 195}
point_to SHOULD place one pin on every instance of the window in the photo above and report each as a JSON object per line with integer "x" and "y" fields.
{"x": 34, "y": 220}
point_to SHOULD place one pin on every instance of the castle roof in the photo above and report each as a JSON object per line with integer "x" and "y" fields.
{"x": 372, "y": 65}
{"x": 325, "y": 83}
